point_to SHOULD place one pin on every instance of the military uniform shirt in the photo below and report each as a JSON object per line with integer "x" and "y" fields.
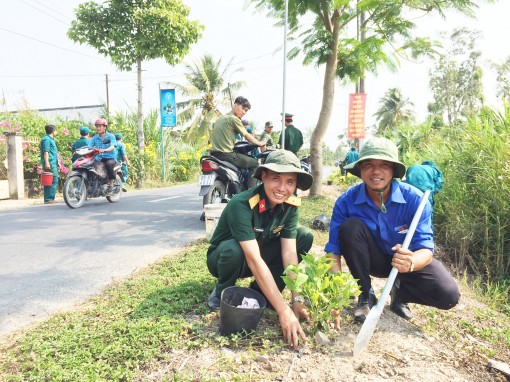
{"x": 82, "y": 142}
{"x": 266, "y": 137}
{"x": 48, "y": 145}
{"x": 248, "y": 216}
{"x": 293, "y": 139}
{"x": 224, "y": 133}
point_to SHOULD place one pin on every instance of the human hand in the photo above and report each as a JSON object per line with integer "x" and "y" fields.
{"x": 299, "y": 309}
{"x": 402, "y": 259}
{"x": 291, "y": 328}
{"x": 335, "y": 313}
{"x": 47, "y": 166}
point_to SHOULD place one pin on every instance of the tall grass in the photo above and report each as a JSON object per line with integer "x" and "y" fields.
{"x": 473, "y": 209}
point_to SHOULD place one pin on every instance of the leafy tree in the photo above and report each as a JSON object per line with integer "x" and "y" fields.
{"x": 393, "y": 111}
{"x": 325, "y": 40}
{"x": 130, "y": 32}
{"x": 456, "y": 80}
{"x": 503, "y": 78}
{"x": 206, "y": 94}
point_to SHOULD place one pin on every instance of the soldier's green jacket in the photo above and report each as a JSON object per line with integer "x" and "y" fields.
{"x": 81, "y": 142}
{"x": 248, "y": 216}
{"x": 225, "y": 129}
{"x": 293, "y": 139}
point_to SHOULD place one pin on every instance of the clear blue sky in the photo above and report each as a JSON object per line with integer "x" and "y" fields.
{"x": 42, "y": 67}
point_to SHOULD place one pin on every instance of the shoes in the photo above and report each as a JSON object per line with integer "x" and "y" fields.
{"x": 397, "y": 306}
{"x": 51, "y": 202}
{"x": 214, "y": 302}
{"x": 124, "y": 189}
{"x": 365, "y": 302}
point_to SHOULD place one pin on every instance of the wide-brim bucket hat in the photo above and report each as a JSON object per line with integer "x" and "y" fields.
{"x": 284, "y": 162}
{"x": 380, "y": 149}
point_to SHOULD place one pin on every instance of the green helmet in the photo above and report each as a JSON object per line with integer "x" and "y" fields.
{"x": 380, "y": 149}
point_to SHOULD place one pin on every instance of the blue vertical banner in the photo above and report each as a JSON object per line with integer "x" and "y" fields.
{"x": 168, "y": 110}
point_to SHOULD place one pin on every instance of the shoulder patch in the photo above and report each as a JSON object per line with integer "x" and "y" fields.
{"x": 253, "y": 201}
{"x": 294, "y": 201}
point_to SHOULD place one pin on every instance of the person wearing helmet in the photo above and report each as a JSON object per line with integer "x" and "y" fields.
{"x": 105, "y": 142}
{"x": 83, "y": 141}
{"x": 368, "y": 226}
{"x": 223, "y": 138}
{"x": 122, "y": 157}
{"x": 258, "y": 235}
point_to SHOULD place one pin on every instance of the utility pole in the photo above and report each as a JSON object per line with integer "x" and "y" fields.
{"x": 107, "y": 98}
{"x": 360, "y": 84}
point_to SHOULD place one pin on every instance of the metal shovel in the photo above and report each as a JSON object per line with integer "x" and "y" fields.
{"x": 372, "y": 319}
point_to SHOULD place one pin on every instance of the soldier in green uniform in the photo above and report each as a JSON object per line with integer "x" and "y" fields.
{"x": 224, "y": 133}
{"x": 293, "y": 136}
{"x": 81, "y": 142}
{"x": 266, "y": 135}
{"x": 122, "y": 157}
{"x": 49, "y": 162}
{"x": 258, "y": 235}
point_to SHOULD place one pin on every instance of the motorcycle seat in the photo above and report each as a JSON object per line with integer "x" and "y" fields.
{"x": 221, "y": 162}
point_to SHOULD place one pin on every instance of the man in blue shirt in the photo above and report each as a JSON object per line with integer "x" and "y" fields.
{"x": 49, "y": 162}
{"x": 122, "y": 157}
{"x": 368, "y": 227}
{"x": 107, "y": 153}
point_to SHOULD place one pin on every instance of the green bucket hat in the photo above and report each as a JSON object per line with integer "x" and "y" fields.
{"x": 283, "y": 161}
{"x": 381, "y": 149}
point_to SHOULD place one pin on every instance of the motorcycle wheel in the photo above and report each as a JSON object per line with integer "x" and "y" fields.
{"x": 216, "y": 193}
{"x": 117, "y": 190}
{"x": 75, "y": 191}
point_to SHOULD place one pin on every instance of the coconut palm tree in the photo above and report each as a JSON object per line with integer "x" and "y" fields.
{"x": 206, "y": 96}
{"x": 394, "y": 110}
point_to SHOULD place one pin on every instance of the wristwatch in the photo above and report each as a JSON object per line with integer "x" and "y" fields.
{"x": 298, "y": 299}
{"x": 411, "y": 267}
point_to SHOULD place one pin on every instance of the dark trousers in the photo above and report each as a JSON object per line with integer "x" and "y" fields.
{"x": 110, "y": 164}
{"x": 431, "y": 286}
{"x": 240, "y": 161}
{"x": 227, "y": 261}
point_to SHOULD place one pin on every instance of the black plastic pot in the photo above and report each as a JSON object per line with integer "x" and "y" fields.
{"x": 234, "y": 319}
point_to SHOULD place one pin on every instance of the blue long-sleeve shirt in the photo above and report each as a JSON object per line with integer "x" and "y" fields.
{"x": 388, "y": 228}
{"x": 97, "y": 142}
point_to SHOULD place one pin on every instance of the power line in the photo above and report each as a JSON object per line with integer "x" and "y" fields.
{"x": 46, "y": 13}
{"x": 54, "y": 10}
{"x": 53, "y": 45}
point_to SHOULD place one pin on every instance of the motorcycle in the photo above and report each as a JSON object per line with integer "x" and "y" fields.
{"x": 305, "y": 164}
{"x": 221, "y": 180}
{"x": 89, "y": 179}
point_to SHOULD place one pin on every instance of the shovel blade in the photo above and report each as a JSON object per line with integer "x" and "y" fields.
{"x": 368, "y": 328}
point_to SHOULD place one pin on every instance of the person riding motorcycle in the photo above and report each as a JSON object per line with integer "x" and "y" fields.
{"x": 224, "y": 134}
{"x": 105, "y": 142}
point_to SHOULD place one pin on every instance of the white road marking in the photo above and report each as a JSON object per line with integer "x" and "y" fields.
{"x": 158, "y": 200}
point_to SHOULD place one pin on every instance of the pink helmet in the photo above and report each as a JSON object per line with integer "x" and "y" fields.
{"x": 101, "y": 121}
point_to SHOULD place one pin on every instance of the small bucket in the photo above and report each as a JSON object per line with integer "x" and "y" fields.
{"x": 212, "y": 215}
{"x": 46, "y": 178}
{"x": 233, "y": 318}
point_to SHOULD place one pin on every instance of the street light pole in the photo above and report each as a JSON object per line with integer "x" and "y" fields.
{"x": 284, "y": 72}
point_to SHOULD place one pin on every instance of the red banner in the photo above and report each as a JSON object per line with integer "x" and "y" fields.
{"x": 356, "y": 122}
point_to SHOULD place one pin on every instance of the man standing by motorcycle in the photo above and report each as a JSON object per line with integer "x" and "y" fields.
{"x": 105, "y": 142}
{"x": 266, "y": 135}
{"x": 223, "y": 138}
{"x": 122, "y": 157}
{"x": 258, "y": 235}
{"x": 49, "y": 162}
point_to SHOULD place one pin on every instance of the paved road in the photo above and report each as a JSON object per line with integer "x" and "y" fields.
{"x": 53, "y": 257}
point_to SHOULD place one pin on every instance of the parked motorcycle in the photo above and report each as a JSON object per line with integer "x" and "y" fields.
{"x": 221, "y": 180}
{"x": 89, "y": 179}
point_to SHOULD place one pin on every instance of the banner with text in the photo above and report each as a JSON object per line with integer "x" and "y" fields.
{"x": 356, "y": 122}
{"x": 167, "y": 104}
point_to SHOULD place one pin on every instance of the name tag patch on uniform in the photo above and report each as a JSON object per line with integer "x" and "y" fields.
{"x": 278, "y": 229}
{"x": 402, "y": 229}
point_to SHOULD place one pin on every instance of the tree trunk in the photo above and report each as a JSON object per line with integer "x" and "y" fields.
{"x": 328, "y": 96}
{"x": 141, "y": 138}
